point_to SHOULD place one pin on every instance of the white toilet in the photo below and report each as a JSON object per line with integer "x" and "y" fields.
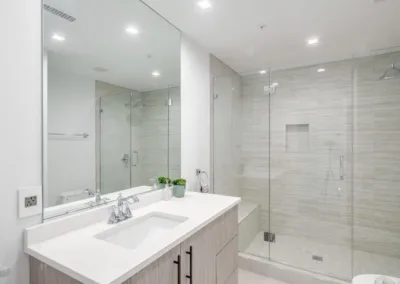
{"x": 71, "y": 196}
{"x": 371, "y": 278}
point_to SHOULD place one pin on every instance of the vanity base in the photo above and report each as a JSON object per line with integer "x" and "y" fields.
{"x": 210, "y": 256}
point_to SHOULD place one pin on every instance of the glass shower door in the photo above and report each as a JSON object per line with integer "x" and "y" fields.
{"x": 310, "y": 168}
{"x": 223, "y": 165}
{"x": 115, "y": 142}
{"x": 254, "y": 169}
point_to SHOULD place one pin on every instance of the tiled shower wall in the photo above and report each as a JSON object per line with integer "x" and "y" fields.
{"x": 377, "y": 165}
{"x": 160, "y": 134}
{"x": 345, "y": 111}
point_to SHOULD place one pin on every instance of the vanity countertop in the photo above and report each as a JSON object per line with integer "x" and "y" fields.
{"x": 81, "y": 256}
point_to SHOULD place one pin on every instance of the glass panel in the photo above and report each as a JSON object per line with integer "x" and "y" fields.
{"x": 310, "y": 168}
{"x": 224, "y": 153}
{"x": 254, "y": 183}
{"x": 377, "y": 166}
{"x": 153, "y": 144}
{"x": 115, "y": 144}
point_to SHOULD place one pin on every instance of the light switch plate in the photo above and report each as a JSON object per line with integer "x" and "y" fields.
{"x": 29, "y": 201}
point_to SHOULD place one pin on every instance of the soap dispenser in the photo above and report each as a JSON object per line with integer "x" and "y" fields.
{"x": 167, "y": 192}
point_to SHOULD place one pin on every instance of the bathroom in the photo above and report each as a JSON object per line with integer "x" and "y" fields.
{"x": 298, "y": 119}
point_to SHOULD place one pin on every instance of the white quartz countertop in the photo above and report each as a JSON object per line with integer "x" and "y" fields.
{"x": 80, "y": 255}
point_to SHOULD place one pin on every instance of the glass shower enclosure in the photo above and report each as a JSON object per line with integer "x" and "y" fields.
{"x": 314, "y": 156}
{"x": 139, "y": 138}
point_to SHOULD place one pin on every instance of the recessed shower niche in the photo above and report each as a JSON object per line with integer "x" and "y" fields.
{"x": 297, "y": 138}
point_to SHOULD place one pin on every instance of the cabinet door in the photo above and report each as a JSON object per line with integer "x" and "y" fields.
{"x": 36, "y": 268}
{"x": 148, "y": 275}
{"x": 198, "y": 255}
{"x": 168, "y": 266}
{"x": 53, "y": 276}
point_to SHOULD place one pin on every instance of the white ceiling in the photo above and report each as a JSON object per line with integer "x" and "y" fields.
{"x": 98, "y": 39}
{"x": 230, "y": 29}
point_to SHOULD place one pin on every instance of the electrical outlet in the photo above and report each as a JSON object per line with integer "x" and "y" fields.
{"x": 30, "y": 201}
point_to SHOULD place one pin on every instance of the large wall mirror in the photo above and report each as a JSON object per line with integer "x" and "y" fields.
{"x": 111, "y": 101}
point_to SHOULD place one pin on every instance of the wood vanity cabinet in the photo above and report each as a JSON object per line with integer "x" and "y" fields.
{"x": 208, "y": 257}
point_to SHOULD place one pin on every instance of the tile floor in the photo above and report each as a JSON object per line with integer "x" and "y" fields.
{"x": 337, "y": 259}
{"x": 247, "y": 277}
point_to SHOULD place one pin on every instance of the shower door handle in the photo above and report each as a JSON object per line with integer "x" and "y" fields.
{"x": 125, "y": 160}
{"x": 135, "y": 158}
{"x": 341, "y": 167}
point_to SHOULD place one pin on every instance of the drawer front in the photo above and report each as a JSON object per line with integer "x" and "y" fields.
{"x": 227, "y": 261}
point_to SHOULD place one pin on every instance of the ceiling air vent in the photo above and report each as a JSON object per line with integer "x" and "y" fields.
{"x": 59, "y": 13}
{"x": 377, "y": 1}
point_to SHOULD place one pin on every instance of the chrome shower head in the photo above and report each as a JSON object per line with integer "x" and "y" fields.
{"x": 391, "y": 73}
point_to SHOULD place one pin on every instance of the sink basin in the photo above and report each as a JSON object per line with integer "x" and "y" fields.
{"x": 139, "y": 231}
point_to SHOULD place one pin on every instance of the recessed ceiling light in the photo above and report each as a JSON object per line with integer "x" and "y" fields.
{"x": 313, "y": 41}
{"x": 155, "y": 73}
{"x": 204, "y": 4}
{"x": 58, "y": 37}
{"x": 132, "y": 30}
{"x": 321, "y": 70}
{"x": 263, "y": 71}
{"x": 275, "y": 84}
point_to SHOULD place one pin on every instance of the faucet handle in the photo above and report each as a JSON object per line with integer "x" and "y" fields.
{"x": 127, "y": 213}
{"x": 113, "y": 217}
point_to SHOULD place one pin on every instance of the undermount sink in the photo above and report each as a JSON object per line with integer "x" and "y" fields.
{"x": 148, "y": 228}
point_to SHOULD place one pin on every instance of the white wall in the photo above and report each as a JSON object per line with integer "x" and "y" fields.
{"x": 20, "y": 125}
{"x": 195, "y": 110}
{"x": 71, "y": 109}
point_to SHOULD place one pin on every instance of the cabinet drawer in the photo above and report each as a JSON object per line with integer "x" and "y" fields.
{"x": 227, "y": 261}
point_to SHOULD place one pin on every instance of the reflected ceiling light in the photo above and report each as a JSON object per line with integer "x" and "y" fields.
{"x": 313, "y": 41}
{"x": 275, "y": 84}
{"x": 321, "y": 70}
{"x": 58, "y": 37}
{"x": 132, "y": 30}
{"x": 263, "y": 71}
{"x": 155, "y": 73}
{"x": 204, "y": 4}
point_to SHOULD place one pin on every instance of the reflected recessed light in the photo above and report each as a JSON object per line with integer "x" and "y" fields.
{"x": 155, "y": 73}
{"x": 58, "y": 37}
{"x": 275, "y": 84}
{"x": 321, "y": 70}
{"x": 204, "y": 4}
{"x": 100, "y": 69}
{"x": 132, "y": 30}
{"x": 263, "y": 71}
{"x": 313, "y": 41}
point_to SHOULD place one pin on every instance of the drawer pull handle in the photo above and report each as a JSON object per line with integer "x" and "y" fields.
{"x": 178, "y": 262}
{"x": 190, "y": 253}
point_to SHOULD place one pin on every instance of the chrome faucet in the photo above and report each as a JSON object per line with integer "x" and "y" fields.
{"x": 121, "y": 211}
{"x": 97, "y": 200}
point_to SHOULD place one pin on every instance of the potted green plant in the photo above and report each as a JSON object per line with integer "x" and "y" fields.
{"x": 179, "y": 187}
{"x": 162, "y": 181}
